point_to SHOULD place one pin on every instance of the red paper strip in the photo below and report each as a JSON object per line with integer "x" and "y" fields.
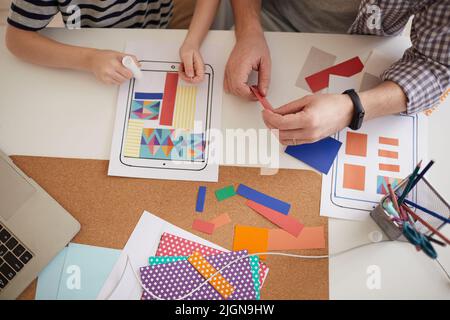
{"x": 266, "y": 104}
{"x": 168, "y": 104}
{"x": 320, "y": 80}
{"x": 203, "y": 226}
{"x": 286, "y": 222}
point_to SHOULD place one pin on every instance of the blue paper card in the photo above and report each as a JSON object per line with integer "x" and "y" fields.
{"x": 264, "y": 199}
{"x": 319, "y": 155}
{"x": 78, "y": 272}
{"x": 200, "y": 199}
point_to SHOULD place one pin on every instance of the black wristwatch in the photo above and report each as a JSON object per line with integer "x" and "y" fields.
{"x": 358, "y": 110}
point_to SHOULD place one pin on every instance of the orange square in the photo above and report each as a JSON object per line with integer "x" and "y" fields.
{"x": 252, "y": 239}
{"x": 356, "y": 144}
{"x": 354, "y": 177}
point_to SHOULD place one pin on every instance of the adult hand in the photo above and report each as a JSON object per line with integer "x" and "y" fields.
{"x": 250, "y": 53}
{"x": 107, "y": 66}
{"x": 310, "y": 118}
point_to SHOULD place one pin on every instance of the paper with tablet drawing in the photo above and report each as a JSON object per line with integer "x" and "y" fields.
{"x": 163, "y": 124}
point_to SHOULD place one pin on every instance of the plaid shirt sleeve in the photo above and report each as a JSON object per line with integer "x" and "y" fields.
{"x": 424, "y": 70}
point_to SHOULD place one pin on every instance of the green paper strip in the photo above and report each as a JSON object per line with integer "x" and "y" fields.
{"x": 165, "y": 259}
{"x": 225, "y": 193}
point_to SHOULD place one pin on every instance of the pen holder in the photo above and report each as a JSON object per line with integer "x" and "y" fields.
{"x": 422, "y": 194}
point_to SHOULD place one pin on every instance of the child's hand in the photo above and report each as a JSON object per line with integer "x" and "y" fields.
{"x": 192, "y": 68}
{"x": 107, "y": 66}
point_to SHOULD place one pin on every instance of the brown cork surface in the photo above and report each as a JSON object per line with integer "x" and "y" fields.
{"x": 108, "y": 209}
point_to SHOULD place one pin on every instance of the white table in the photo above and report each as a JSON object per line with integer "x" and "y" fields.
{"x": 69, "y": 114}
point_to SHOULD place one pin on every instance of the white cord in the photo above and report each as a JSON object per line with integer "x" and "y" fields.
{"x": 128, "y": 262}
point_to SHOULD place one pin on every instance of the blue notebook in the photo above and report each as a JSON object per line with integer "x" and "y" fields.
{"x": 78, "y": 272}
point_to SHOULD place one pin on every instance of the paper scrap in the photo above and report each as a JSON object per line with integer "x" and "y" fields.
{"x": 288, "y": 223}
{"x": 348, "y": 68}
{"x": 200, "y": 199}
{"x": 220, "y": 220}
{"x": 252, "y": 239}
{"x": 203, "y": 226}
{"x": 319, "y": 155}
{"x": 316, "y": 60}
{"x": 225, "y": 193}
{"x": 262, "y": 100}
{"x": 217, "y": 281}
{"x": 309, "y": 238}
{"x": 261, "y": 198}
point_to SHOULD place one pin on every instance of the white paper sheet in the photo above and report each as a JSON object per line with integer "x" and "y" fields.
{"x": 207, "y": 102}
{"x": 348, "y": 197}
{"x": 142, "y": 244}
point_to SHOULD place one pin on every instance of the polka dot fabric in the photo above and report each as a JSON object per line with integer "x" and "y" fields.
{"x": 171, "y": 245}
{"x": 175, "y": 280}
{"x": 218, "y": 282}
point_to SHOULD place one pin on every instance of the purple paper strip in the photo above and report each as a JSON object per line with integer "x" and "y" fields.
{"x": 174, "y": 280}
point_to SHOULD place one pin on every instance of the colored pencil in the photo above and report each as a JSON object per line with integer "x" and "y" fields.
{"x": 431, "y": 213}
{"x": 426, "y": 224}
{"x": 410, "y": 182}
{"x": 422, "y": 173}
{"x": 394, "y": 198}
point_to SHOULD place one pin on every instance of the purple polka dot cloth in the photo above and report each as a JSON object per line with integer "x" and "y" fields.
{"x": 173, "y": 281}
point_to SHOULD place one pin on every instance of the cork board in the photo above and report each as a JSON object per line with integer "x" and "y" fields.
{"x": 108, "y": 209}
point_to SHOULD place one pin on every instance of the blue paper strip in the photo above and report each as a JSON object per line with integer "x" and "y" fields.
{"x": 200, "y": 199}
{"x": 319, "y": 155}
{"x": 265, "y": 200}
{"x": 148, "y": 96}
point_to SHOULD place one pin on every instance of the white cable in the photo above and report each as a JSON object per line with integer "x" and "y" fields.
{"x": 128, "y": 262}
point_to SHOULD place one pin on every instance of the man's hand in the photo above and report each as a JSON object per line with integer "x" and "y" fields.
{"x": 250, "y": 53}
{"x": 310, "y": 118}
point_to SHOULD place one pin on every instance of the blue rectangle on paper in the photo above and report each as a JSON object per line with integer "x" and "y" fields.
{"x": 264, "y": 199}
{"x": 148, "y": 96}
{"x": 200, "y": 199}
{"x": 319, "y": 155}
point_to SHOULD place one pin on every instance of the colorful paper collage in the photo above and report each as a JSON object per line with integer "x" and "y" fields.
{"x": 175, "y": 280}
{"x": 173, "y": 144}
{"x": 145, "y": 109}
{"x": 382, "y": 183}
{"x": 254, "y": 264}
{"x": 171, "y": 245}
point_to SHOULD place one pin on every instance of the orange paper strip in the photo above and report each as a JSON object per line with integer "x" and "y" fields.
{"x": 309, "y": 238}
{"x": 220, "y": 220}
{"x": 288, "y": 223}
{"x": 389, "y": 141}
{"x": 388, "y": 154}
{"x": 389, "y": 167}
{"x": 222, "y": 286}
{"x": 203, "y": 226}
{"x": 252, "y": 239}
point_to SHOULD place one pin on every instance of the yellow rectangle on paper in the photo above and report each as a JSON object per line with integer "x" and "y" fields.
{"x": 185, "y": 103}
{"x": 133, "y": 138}
{"x": 222, "y": 286}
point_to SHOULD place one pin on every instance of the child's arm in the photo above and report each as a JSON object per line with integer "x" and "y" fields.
{"x": 193, "y": 68}
{"x": 34, "y": 48}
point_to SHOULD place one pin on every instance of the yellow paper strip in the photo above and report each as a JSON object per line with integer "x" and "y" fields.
{"x": 133, "y": 138}
{"x": 185, "y": 104}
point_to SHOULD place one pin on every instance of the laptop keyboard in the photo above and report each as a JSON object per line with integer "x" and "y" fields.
{"x": 13, "y": 257}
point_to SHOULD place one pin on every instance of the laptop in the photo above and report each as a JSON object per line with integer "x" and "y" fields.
{"x": 33, "y": 229}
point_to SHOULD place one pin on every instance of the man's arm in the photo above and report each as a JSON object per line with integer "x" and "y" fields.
{"x": 250, "y": 51}
{"x": 423, "y": 72}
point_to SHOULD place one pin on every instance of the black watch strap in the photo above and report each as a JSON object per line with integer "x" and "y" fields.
{"x": 358, "y": 110}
